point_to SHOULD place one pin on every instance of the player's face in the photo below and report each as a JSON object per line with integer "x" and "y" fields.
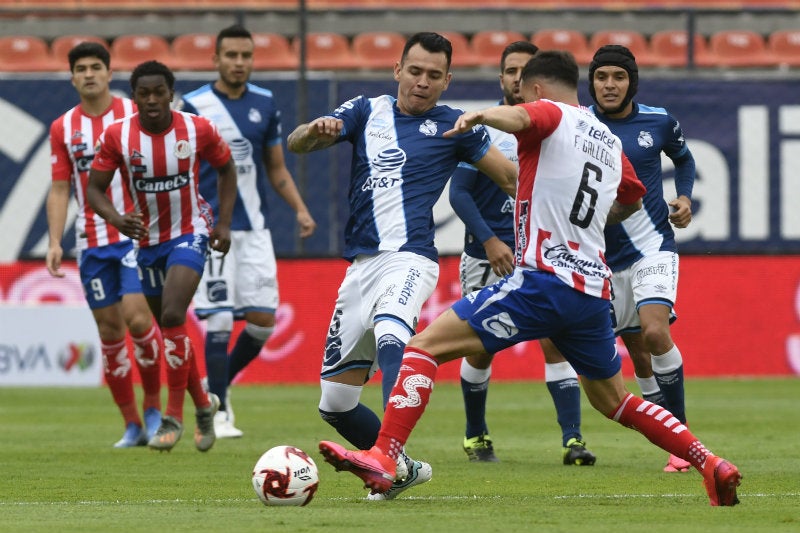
{"x": 422, "y": 77}
{"x": 509, "y": 78}
{"x": 610, "y": 88}
{"x": 153, "y": 96}
{"x": 90, "y": 77}
{"x": 234, "y": 61}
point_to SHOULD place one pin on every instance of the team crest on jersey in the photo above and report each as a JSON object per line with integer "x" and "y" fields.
{"x": 646, "y": 139}
{"x": 254, "y": 115}
{"x": 182, "y": 149}
{"x": 428, "y": 128}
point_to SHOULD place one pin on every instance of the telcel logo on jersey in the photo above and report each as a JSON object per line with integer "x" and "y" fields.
{"x": 602, "y": 136}
{"x": 162, "y": 183}
{"x": 408, "y": 285}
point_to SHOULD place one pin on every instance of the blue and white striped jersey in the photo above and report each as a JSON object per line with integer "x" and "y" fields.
{"x": 400, "y": 166}
{"x": 645, "y": 133}
{"x": 250, "y": 125}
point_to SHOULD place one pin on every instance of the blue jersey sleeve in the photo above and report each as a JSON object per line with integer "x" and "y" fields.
{"x": 461, "y": 184}
{"x": 474, "y": 144}
{"x": 352, "y": 113}
{"x": 677, "y": 150}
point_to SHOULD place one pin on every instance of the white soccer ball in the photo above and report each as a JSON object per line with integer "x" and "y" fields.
{"x": 285, "y": 475}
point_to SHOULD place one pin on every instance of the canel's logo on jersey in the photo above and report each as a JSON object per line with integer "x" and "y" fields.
{"x": 500, "y": 325}
{"x": 162, "y": 183}
{"x": 428, "y": 128}
{"x": 645, "y": 139}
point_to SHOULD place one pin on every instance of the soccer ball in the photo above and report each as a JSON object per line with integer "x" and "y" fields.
{"x": 285, "y": 475}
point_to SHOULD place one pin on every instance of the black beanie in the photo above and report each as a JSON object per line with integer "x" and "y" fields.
{"x": 615, "y": 55}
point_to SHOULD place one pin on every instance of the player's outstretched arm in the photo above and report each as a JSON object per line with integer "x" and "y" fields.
{"x": 503, "y": 117}
{"x": 501, "y": 171}
{"x": 318, "y": 134}
{"x": 220, "y": 237}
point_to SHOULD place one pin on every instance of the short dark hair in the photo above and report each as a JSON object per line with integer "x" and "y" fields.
{"x": 152, "y": 68}
{"x": 432, "y": 42}
{"x": 235, "y": 31}
{"x": 521, "y": 47}
{"x": 88, "y": 49}
{"x": 555, "y": 65}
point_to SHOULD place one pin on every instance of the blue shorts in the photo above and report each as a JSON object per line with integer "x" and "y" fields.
{"x": 108, "y": 272}
{"x": 529, "y": 304}
{"x": 187, "y": 250}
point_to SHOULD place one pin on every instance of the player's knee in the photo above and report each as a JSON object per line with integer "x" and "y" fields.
{"x": 220, "y": 322}
{"x": 337, "y": 397}
{"x": 657, "y": 338}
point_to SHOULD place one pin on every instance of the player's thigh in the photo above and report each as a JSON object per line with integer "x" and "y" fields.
{"x": 624, "y": 317}
{"x": 448, "y": 337}
{"x": 99, "y": 269}
{"x": 256, "y": 279}
{"x": 654, "y": 281}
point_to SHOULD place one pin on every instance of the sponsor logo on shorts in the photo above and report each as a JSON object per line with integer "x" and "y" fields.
{"x": 500, "y": 325}
{"x": 409, "y": 285}
{"x": 654, "y": 270}
{"x": 217, "y": 291}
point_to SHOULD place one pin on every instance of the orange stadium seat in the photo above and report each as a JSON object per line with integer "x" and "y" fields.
{"x": 273, "y": 52}
{"x": 462, "y": 53}
{"x": 194, "y": 51}
{"x": 327, "y": 51}
{"x": 784, "y": 47}
{"x": 487, "y": 46}
{"x": 670, "y": 48}
{"x": 738, "y": 48}
{"x": 635, "y": 41}
{"x": 24, "y": 53}
{"x": 378, "y": 49}
{"x": 61, "y": 46}
{"x": 127, "y": 51}
{"x": 570, "y": 40}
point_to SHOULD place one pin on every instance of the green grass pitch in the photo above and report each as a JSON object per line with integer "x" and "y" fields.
{"x": 60, "y": 473}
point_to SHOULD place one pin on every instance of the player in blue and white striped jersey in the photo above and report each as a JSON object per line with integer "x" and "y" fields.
{"x": 641, "y": 250}
{"x": 400, "y": 165}
{"x": 243, "y": 284}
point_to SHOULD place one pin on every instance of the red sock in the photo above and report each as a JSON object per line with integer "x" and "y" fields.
{"x": 661, "y": 428}
{"x": 195, "y": 385}
{"x": 117, "y": 370}
{"x": 177, "y": 352}
{"x": 149, "y": 347}
{"x": 407, "y": 401}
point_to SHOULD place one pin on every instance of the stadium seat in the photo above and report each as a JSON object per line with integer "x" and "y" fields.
{"x": 738, "y": 48}
{"x": 127, "y": 51}
{"x": 570, "y": 40}
{"x": 327, "y": 51}
{"x": 635, "y": 41}
{"x": 670, "y": 49}
{"x": 378, "y": 49}
{"x": 194, "y": 51}
{"x": 61, "y": 46}
{"x": 24, "y": 53}
{"x": 487, "y": 46}
{"x": 273, "y": 52}
{"x": 784, "y": 47}
{"x": 462, "y": 53}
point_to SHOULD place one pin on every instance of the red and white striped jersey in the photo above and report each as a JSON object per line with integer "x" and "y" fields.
{"x": 162, "y": 172}
{"x": 72, "y": 140}
{"x": 571, "y": 170}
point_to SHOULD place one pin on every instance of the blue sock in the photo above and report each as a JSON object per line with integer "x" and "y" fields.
{"x": 671, "y": 385}
{"x": 475, "y": 395}
{"x": 390, "y": 357}
{"x": 566, "y": 395}
{"x": 217, "y": 363}
{"x": 360, "y": 426}
{"x": 245, "y": 350}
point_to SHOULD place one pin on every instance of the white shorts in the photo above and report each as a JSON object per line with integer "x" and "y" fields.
{"x": 387, "y": 286}
{"x": 475, "y": 274}
{"x": 245, "y": 279}
{"x": 651, "y": 280}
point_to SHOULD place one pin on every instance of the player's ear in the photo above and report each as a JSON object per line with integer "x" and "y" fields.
{"x": 398, "y": 66}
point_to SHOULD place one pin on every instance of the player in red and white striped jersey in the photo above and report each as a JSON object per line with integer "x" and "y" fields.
{"x": 158, "y": 152}
{"x": 106, "y": 259}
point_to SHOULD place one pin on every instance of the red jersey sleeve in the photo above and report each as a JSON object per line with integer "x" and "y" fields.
{"x": 108, "y": 151}
{"x": 210, "y": 145}
{"x": 545, "y": 117}
{"x": 60, "y": 163}
{"x": 630, "y": 188}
